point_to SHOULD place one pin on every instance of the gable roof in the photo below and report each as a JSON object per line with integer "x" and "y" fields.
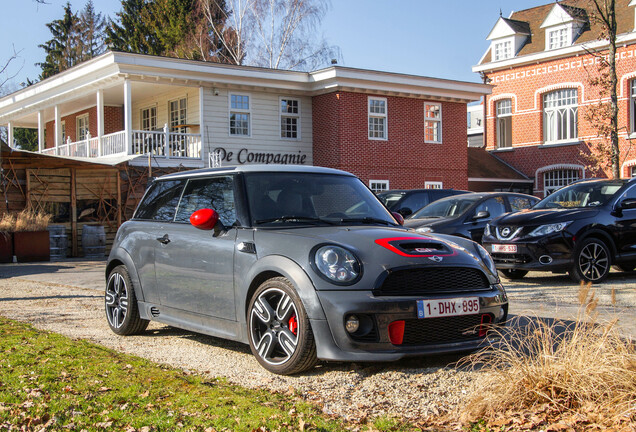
{"x": 486, "y": 166}
{"x": 578, "y": 9}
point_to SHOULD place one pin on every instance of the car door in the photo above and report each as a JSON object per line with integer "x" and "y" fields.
{"x": 195, "y": 268}
{"x": 625, "y": 226}
{"x": 495, "y": 206}
{"x": 155, "y": 212}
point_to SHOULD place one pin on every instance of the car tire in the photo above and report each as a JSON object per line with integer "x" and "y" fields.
{"x": 279, "y": 332}
{"x": 120, "y": 303}
{"x": 513, "y": 274}
{"x": 592, "y": 261}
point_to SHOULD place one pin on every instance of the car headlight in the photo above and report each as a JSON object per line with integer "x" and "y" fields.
{"x": 337, "y": 264}
{"x": 486, "y": 258}
{"x": 549, "y": 229}
{"x": 424, "y": 230}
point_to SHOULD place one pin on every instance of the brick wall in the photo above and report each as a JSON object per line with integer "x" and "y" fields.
{"x": 113, "y": 122}
{"x": 525, "y": 85}
{"x": 340, "y": 130}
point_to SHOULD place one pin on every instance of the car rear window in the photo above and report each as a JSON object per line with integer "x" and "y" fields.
{"x": 160, "y": 202}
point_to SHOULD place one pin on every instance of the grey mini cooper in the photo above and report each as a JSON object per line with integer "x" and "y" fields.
{"x": 301, "y": 263}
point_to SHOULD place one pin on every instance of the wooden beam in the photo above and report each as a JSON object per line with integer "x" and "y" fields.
{"x": 73, "y": 214}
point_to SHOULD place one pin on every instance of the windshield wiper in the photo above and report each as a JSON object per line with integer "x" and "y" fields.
{"x": 367, "y": 220}
{"x": 295, "y": 219}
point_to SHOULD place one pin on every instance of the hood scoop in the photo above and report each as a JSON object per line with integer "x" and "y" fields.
{"x": 416, "y": 246}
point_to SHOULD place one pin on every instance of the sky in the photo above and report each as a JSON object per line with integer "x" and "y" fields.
{"x": 433, "y": 38}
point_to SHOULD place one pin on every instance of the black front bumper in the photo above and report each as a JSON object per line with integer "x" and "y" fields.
{"x": 551, "y": 253}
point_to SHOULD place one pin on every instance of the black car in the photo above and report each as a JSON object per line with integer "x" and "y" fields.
{"x": 466, "y": 215}
{"x": 583, "y": 228}
{"x": 405, "y": 202}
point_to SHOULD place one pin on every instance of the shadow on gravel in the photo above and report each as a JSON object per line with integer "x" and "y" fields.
{"x": 197, "y": 337}
{"x": 9, "y": 271}
{"x": 49, "y": 297}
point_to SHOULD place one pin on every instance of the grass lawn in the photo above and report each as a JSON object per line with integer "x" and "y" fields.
{"x": 51, "y": 382}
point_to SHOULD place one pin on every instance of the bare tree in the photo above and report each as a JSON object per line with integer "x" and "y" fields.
{"x": 606, "y": 153}
{"x": 279, "y": 34}
{"x": 7, "y": 73}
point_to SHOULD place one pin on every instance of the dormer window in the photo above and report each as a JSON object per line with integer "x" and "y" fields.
{"x": 558, "y": 38}
{"x": 502, "y": 50}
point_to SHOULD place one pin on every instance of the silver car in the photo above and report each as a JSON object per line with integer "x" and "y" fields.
{"x": 301, "y": 263}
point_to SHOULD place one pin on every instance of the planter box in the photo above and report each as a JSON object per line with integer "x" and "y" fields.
{"x": 6, "y": 247}
{"x": 29, "y": 246}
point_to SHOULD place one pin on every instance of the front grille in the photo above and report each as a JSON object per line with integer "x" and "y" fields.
{"x": 441, "y": 330}
{"x": 424, "y": 281}
{"x": 500, "y": 258}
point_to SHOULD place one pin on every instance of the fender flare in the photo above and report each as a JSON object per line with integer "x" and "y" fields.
{"x": 291, "y": 270}
{"x": 600, "y": 234}
{"x": 121, "y": 256}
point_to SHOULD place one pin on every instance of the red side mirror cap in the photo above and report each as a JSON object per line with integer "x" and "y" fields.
{"x": 398, "y": 217}
{"x": 204, "y": 219}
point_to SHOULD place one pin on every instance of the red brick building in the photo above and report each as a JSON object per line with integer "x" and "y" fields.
{"x": 541, "y": 62}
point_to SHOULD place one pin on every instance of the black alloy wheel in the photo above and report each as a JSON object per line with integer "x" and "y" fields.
{"x": 592, "y": 261}
{"x": 121, "y": 307}
{"x": 279, "y": 331}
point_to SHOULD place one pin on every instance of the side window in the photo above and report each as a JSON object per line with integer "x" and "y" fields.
{"x": 630, "y": 193}
{"x": 415, "y": 201}
{"x": 216, "y": 193}
{"x": 495, "y": 206}
{"x": 161, "y": 201}
{"x": 518, "y": 203}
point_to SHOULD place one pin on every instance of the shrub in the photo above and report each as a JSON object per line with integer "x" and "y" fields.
{"x": 566, "y": 373}
{"x": 26, "y": 220}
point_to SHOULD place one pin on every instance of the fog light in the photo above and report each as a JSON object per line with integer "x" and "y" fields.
{"x": 352, "y": 324}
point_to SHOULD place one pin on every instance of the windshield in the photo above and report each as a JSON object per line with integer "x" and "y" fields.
{"x": 311, "y": 198}
{"x": 579, "y": 195}
{"x": 446, "y": 207}
{"x": 390, "y": 199}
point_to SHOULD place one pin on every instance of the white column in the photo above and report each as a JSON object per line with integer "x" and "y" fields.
{"x": 204, "y": 144}
{"x": 100, "y": 120}
{"x": 10, "y": 134}
{"x": 41, "y": 137}
{"x": 58, "y": 127}
{"x": 128, "y": 115}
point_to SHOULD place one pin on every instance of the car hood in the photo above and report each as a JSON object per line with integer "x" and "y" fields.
{"x": 378, "y": 248}
{"x": 545, "y": 216}
{"x": 432, "y": 221}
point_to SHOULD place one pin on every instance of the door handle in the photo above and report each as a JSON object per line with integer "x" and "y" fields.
{"x": 164, "y": 240}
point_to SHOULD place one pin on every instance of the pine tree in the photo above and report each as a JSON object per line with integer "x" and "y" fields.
{"x": 61, "y": 50}
{"x": 131, "y": 32}
{"x": 90, "y": 27}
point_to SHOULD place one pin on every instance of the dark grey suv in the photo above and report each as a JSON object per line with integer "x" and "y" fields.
{"x": 302, "y": 264}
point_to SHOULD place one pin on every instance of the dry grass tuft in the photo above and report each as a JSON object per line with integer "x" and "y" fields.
{"x": 573, "y": 374}
{"x": 26, "y": 220}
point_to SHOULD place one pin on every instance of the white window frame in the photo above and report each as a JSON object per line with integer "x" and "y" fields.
{"x": 63, "y": 127}
{"x": 432, "y": 121}
{"x": 632, "y": 106}
{"x": 433, "y": 185}
{"x": 181, "y": 120}
{"x": 632, "y": 171}
{"x": 284, "y": 115}
{"x": 152, "y": 120}
{"x": 378, "y": 186}
{"x": 374, "y": 116}
{"x": 503, "y": 108}
{"x": 502, "y": 49}
{"x": 242, "y": 111}
{"x": 560, "y": 116}
{"x": 556, "y": 179}
{"x": 557, "y": 37}
{"x": 82, "y": 124}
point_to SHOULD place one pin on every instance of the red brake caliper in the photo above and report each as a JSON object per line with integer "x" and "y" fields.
{"x": 293, "y": 324}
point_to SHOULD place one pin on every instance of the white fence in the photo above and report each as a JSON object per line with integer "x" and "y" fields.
{"x": 164, "y": 143}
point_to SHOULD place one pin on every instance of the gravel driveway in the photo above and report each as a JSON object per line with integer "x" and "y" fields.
{"x": 62, "y": 297}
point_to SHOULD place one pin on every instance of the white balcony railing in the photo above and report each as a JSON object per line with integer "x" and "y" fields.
{"x": 163, "y": 144}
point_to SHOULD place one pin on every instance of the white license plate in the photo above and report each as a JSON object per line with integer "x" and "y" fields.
{"x": 447, "y": 307}
{"x": 504, "y": 248}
